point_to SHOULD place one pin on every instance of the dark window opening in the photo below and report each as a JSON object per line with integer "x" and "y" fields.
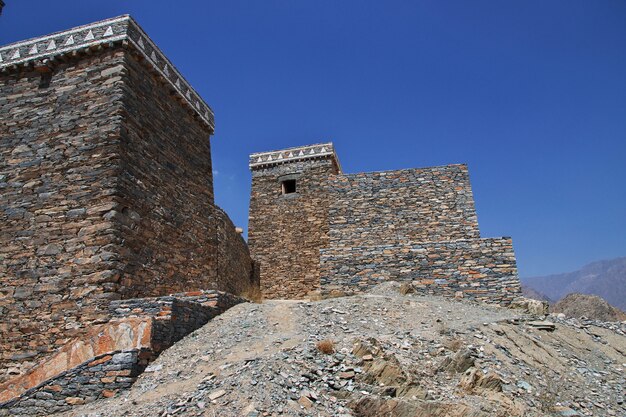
{"x": 289, "y": 186}
{"x": 44, "y": 81}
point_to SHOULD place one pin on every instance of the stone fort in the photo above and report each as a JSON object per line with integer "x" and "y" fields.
{"x": 112, "y": 247}
{"x": 315, "y": 230}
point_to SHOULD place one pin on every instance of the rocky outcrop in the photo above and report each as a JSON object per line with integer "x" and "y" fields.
{"x": 531, "y": 306}
{"x": 605, "y": 279}
{"x": 590, "y": 306}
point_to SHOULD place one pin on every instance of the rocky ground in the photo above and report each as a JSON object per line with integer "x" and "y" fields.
{"x": 590, "y": 306}
{"x": 391, "y": 355}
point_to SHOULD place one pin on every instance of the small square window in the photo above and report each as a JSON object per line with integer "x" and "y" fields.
{"x": 289, "y": 186}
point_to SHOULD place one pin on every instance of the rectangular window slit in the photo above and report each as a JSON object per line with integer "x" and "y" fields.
{"x": 289, "y": 186}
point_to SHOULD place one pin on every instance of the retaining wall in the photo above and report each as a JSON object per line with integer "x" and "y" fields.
{"x": 111, "y": 356}
{"x": 481, "y": 269}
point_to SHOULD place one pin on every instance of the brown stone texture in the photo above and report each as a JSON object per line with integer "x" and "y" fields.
{"x": 343, "y": 233}
{"x": 166, "y": 192}
{"x": 110, "y": 356}
{"x": 58, "y": 162}
{"x": 106, "y": 192}
{"x": 419, "y": 205}
{"x": 414, "y": 225}
{"x": 480, "y": 269}
{"x": 287, "y": 231}
{"x": 234, "y": 275}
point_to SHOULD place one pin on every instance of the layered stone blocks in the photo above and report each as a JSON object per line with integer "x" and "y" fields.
{"x": 287, "y": 230}
{"x": 416, "y": 225}
{"x": 394, "y": 207}
{"x": 110, "y": 356}
{"x": 106, "y": 188}
{"x": 480, "y": 269}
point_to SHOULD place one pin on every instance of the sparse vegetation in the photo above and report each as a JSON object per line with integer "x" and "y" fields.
{"x": 326, "y": 346}
{"x": 442, "y": 327}
{"x": 253, "y": 294}
{"x": 406, "y": 288}
{"x": 454, "y": 344}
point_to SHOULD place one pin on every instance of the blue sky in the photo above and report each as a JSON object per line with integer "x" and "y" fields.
{"x": 531, "y": 94}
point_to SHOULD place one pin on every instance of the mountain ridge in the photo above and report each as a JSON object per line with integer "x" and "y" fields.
{"x": 604, "y": 278}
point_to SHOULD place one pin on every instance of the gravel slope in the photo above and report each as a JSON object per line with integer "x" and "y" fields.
{"x": 396, "y": 355}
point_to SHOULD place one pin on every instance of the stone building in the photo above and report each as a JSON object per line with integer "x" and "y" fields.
{"x": 314, "y": 229}
{"x": 106, "y": 188}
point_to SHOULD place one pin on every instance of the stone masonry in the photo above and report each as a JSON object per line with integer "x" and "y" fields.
{"x": 106, "y": 188}
{"x": 113, "y": 355}
{"x": 286, "y": 231}
{"x": 337, "y": 233}
{"x": 107, "y": 208}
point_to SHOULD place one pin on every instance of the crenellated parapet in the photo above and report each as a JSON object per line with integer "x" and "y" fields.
{"x": 300, "y": 153}
{"x": 43, "y": 51}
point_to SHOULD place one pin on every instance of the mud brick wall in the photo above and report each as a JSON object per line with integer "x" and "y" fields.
{"x": 419, "y": 205}
{"x": 286, "y": 232}
{"x": 58, "y": 159}
{"x": 481, "y": 269}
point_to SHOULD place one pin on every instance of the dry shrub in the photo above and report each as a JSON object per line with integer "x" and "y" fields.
{"x": 326, "y": 346}
{"x": 315, "y": 296}
{"x": 406, "y": 288}
{"x": 455, "y": 344}
{"x": 253, "y": 294}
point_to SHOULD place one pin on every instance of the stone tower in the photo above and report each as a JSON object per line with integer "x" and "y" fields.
{"x": 106, "y": 188}
{"x": 316, "y": 229}
{"x": 288, "y": 222}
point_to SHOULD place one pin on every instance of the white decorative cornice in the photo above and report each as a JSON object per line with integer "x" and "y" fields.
{"x": 104, "y": 33}
{"x": 299, "y": 153}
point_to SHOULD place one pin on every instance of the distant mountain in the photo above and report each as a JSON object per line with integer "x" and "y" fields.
{"x": 591, "y": 306}
{"x": 606, "y": 279}
{"x": 530, "y": 292}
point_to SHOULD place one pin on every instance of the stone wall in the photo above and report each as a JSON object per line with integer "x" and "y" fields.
{"x": 176, "y": 315}
{"x": 100, "y": 377}
{"x": 286, "y": 232}
{"x": 480, "y": 269}
{"x": 415, "y": 225}
{"x": 236, "y": 272}
{"x": 110, "y": 358}
{"x": 58, "y": 162}
{"x": 411, "y": 205}
{"x": 166, "y": 191}
{"x": 106, "y": 188}
{"x": 344, "y": 233}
